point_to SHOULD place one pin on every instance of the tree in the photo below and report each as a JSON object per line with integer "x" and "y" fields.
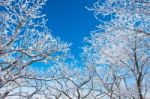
{"x": 24, "y": 40}
{"x": 75, "y": 83}
{"x": 120, "y": 48}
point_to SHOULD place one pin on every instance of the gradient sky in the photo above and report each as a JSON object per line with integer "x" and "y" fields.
{"x": 70, "y": 20}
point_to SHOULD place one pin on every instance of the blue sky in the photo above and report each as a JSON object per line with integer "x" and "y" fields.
{"x": 70, "y": 20}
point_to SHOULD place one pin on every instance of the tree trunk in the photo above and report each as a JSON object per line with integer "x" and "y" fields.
{"x": 139, "y": 87}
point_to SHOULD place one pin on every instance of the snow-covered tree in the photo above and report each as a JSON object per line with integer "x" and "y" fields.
{"x": 24, "y": 40}
{"x": 118, "y": 52}
{"x": 74, "y": 82}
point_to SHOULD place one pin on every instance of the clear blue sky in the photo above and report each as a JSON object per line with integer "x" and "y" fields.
{"x": 69, "y": 20}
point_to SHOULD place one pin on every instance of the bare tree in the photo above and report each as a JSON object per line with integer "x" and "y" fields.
{"x": 24, "y": 40}
{"x": 75, "y": 84}
{"x": 120, "y": 48}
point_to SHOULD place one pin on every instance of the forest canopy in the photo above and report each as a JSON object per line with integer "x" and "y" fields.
{"x": 113, "y": 64}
